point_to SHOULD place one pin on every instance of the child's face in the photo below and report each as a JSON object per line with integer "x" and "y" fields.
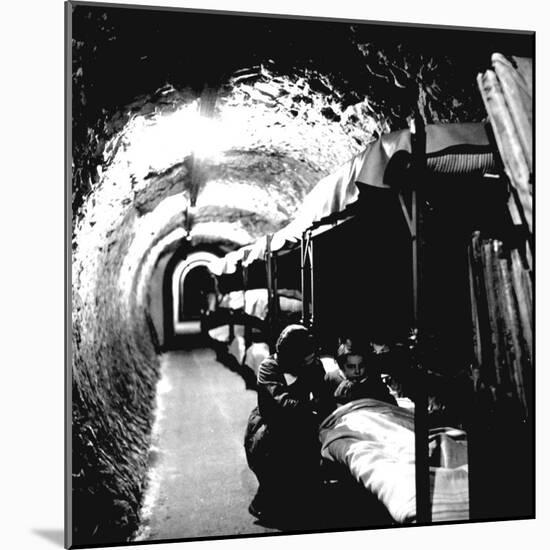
{"x": 354, "y": 367}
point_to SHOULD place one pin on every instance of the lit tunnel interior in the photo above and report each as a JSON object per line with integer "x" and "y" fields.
{"x": 192, "y": 281}
{"x": 194, "y": 145}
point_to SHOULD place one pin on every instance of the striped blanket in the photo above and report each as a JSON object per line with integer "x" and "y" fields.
{"x": 375, "y": 441}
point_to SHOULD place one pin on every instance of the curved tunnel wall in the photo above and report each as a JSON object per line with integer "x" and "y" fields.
{"x": 115, "y": 364}
{"x": 125, "y": 239}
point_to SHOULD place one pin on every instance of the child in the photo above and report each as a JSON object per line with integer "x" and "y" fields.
{"x": 358, "y": 376}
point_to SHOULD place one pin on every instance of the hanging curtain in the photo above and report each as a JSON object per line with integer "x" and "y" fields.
{"x": 501, "y": 268}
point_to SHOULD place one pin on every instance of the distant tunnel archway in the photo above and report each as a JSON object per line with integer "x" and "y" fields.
{"x": 191, "y": 284}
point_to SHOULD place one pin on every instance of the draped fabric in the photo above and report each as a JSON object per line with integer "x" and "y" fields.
{"x": 502, "y": 315}
{"x": 375, "y": 441}
{"x": 228, "y": 263}
{"x": 501, "y": 264}
{"x": 332, "y": 194}
{"x": 462, "y": 148}
{"x": 507, "y": 93}
{"x": 255, "y": 302}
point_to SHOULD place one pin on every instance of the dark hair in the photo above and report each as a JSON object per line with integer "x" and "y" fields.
{"x": 294, "y": 341}
{"x": 351, "y": 347}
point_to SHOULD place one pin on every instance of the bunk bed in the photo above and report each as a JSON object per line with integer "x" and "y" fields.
{"x": 376, "y": 442}
{"x": 241, "y": 319}
{"x": 479, "y": 176}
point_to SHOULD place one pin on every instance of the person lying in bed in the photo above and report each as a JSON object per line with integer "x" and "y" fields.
{"x": 358, "y": 376}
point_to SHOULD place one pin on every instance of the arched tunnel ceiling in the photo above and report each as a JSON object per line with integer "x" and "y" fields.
{"x": 129, "y": 62}
{"x": 294, "y": 99}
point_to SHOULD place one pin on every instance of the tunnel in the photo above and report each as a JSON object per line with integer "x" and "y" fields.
{"x": 192, "y": 282}
{"x": 189, "y": 143}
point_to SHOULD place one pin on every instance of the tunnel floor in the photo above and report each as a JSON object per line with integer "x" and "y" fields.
{"x": 200, "y": 483}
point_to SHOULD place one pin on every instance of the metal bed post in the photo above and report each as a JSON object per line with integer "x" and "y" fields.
{"x": 303, "y": 248}
{"x": 422, "y": 468}
{"x": 247, "y": 328}
{"x": 269, "y": 277}
{"x": 306, "y": 257}
{"x": 274, "y": 280}
{"x": 311, "y": 283}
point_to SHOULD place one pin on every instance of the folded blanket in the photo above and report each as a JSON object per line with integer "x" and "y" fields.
{"x": 255, "y": 302}
{"x": 375, "y": 441}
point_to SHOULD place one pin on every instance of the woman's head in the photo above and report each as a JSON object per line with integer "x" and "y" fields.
{"x": 295, "y": 347}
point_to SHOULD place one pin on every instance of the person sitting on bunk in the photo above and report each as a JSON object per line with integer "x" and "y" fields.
{"x": 281, "y": 440}
{"x": 358, "y": 376}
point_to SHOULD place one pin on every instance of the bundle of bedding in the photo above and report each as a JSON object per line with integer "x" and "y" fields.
{"x": 255, "y": 302}
{"x": 375, "y": 441}
{"x": 254, "y": 305}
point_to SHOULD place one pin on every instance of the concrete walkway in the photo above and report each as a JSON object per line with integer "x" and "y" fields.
{"x": 200, "y": 484}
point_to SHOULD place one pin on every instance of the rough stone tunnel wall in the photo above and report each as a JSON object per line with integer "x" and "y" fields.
{"x": 133, "y": 215}
{"x": 303, "y": 104}
{"x": 115, "y": 364}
